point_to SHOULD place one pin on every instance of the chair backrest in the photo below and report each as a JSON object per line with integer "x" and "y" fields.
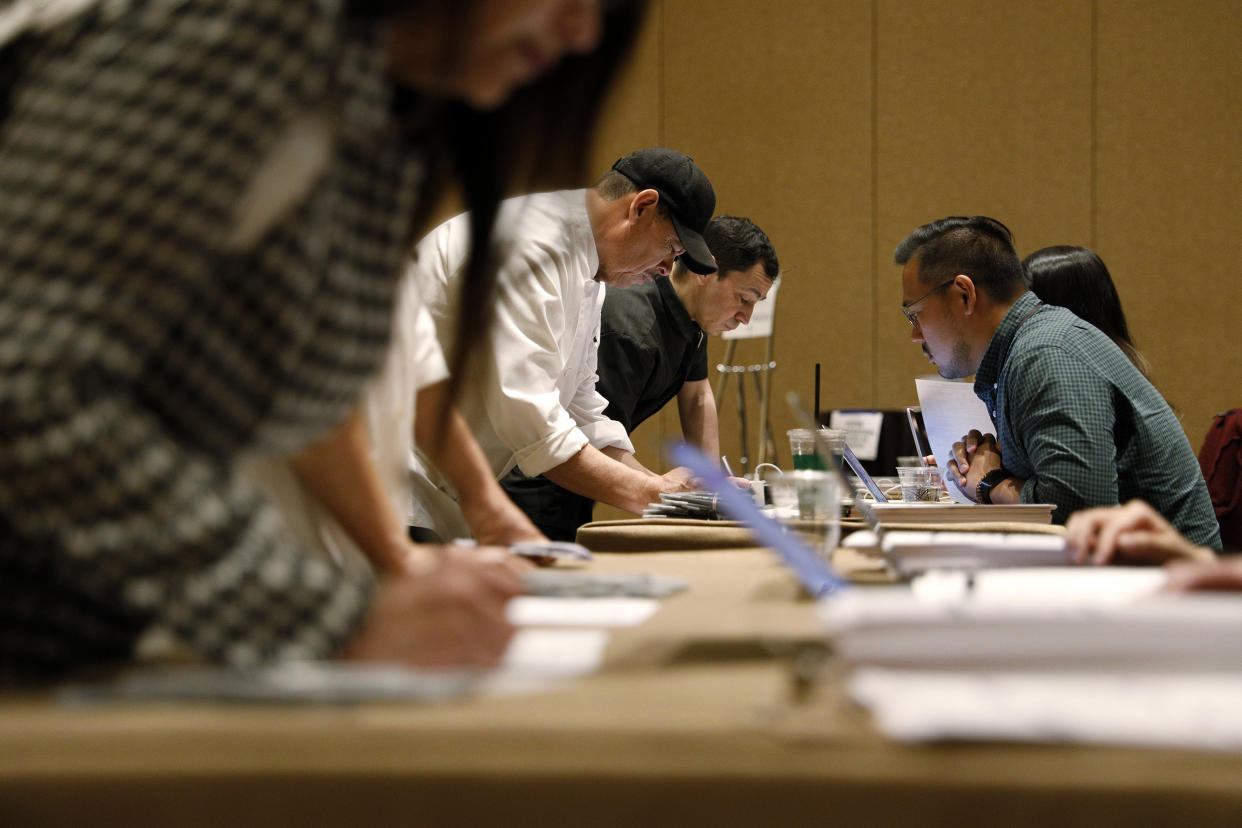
{"x": 1220, "y": 458}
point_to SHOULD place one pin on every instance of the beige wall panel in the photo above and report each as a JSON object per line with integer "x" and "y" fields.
{"x": 630, "y": 117}
{"x": 982, "y": 108}
{"x": 1170, "y": 174}
{"x": 773, "y": 100}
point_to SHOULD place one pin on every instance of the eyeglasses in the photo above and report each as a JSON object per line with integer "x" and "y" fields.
{"x": 913, "y": 316}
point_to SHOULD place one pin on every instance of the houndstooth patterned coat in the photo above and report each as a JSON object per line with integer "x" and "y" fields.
{"x": 204, "y": 208}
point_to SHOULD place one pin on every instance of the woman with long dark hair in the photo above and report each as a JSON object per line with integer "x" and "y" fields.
{"x": 1076, "y": 278}
{"x": 207, "y": 207}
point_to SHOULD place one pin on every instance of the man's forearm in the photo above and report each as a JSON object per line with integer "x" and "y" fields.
{"x": 1008, "y": 491}
{"x": 593, "y": 474}
{"x": 626, "y": 457}
{"x": 696, "y": 406}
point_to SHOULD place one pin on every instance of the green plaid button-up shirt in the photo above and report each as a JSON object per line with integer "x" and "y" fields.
{"x": 1083, "y": 426}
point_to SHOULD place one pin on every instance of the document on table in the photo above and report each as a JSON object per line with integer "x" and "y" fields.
{"x": 1183, "y": 710}
{"x": 538, "y": 659}
{"x": 910, "y": 551}
{"x": 533, "y": 611}
{"x": 1042, "y": 619}
{"x": 534, "y": 660}
{"x": 950, "y": 410}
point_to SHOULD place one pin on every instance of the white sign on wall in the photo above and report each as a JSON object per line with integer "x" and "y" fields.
{"x": 862, "y": 431}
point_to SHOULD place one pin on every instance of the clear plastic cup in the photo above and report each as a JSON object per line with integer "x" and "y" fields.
{"x": 919, "y": 484}
{"x": 802, "y": 447}
{"x": 810, "y": 495}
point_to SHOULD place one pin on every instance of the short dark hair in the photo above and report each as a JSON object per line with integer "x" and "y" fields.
{"x": 978, "y": 246}
{"x": 737, "y": 243}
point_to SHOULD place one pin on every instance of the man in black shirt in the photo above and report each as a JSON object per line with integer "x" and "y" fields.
{"x": 653, "y": 347}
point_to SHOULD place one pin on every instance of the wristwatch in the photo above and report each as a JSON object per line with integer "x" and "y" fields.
{"x": 983, "y": 492}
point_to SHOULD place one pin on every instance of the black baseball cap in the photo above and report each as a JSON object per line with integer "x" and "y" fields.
{"x": 686, "y": 193}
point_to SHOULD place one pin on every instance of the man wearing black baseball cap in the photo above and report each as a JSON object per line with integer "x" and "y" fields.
{"x": 530, "y": 398}
{"x": 684, "y": 191}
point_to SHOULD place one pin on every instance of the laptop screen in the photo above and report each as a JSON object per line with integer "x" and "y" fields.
{"x": 851, "y": 462}
{"x": 815, "y": 575}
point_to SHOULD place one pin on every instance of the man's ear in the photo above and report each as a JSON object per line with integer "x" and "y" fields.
{"x": 970, "y": 295}
{"x": 643, "y": 201}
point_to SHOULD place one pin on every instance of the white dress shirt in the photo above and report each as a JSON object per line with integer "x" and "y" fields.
{"x": 529, "y": 396}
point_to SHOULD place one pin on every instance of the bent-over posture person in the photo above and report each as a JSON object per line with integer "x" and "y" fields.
{"x": 532, "y": 401}
{"x": 653, "y": 348}
{"x": 207, "y": 207}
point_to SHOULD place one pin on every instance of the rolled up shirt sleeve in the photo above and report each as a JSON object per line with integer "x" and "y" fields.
{"x": 522, "y": 397}
{"x": 529, "y": 395}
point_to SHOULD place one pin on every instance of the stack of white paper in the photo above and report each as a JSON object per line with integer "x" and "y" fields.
{"x": 1072, "y": 618}
{"x": 1178, "y": 710}
{"x": 913, "y": 551}
{"x": 1092, "y": 655}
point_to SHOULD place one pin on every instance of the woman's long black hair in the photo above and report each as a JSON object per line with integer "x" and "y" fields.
{"x": 540, "y": 139}
{"x": 1076, "y": 278}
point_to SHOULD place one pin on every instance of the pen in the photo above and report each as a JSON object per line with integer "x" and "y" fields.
{"x": 725, "y": 460}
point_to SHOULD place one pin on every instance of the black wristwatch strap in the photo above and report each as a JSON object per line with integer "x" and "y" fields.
{"x": 983, "y": 491}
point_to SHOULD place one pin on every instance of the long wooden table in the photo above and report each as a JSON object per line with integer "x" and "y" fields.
{"x": 698, "y": 717}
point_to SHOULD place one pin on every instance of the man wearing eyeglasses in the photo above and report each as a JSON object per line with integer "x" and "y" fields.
{"x": 530, "y": 396}
{"x": 1077, "y": 424}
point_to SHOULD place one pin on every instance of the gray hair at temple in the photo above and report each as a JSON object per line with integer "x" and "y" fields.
{"x": 979, "y": 247}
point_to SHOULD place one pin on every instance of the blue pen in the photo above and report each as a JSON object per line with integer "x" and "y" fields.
{"x": 815, "y": 575}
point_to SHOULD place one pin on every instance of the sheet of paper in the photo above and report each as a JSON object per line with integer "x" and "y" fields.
{"x": 532, "y": 611}
{"x": 540, "y": 659}
{"x": 950, "y": 410}
{"x": 535, "y": 660}
{"x": 913, "y": 551}
{"x": 1077, "y": 585}
{"x": 1196, "y": 711}
{"x": 1052, "y": 620}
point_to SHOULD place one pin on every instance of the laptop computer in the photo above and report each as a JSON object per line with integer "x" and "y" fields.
{"x": 814, "y": 574}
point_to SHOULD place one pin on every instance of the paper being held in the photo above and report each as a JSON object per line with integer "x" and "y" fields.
{"x": 950, "y": 410}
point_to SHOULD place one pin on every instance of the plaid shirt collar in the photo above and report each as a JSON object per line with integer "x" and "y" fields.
{"x": 998, "y": 349}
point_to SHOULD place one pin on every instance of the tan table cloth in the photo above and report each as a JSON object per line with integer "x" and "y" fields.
{"x": 699, "y": 717}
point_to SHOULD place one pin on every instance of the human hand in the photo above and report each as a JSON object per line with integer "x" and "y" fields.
{"x": 679, "y": 479}
{"x": 452, "y": 615}
{"x": 1133, "y": 533}
{"x": 502, "y": 523}
{"x": 972, "y": 458}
